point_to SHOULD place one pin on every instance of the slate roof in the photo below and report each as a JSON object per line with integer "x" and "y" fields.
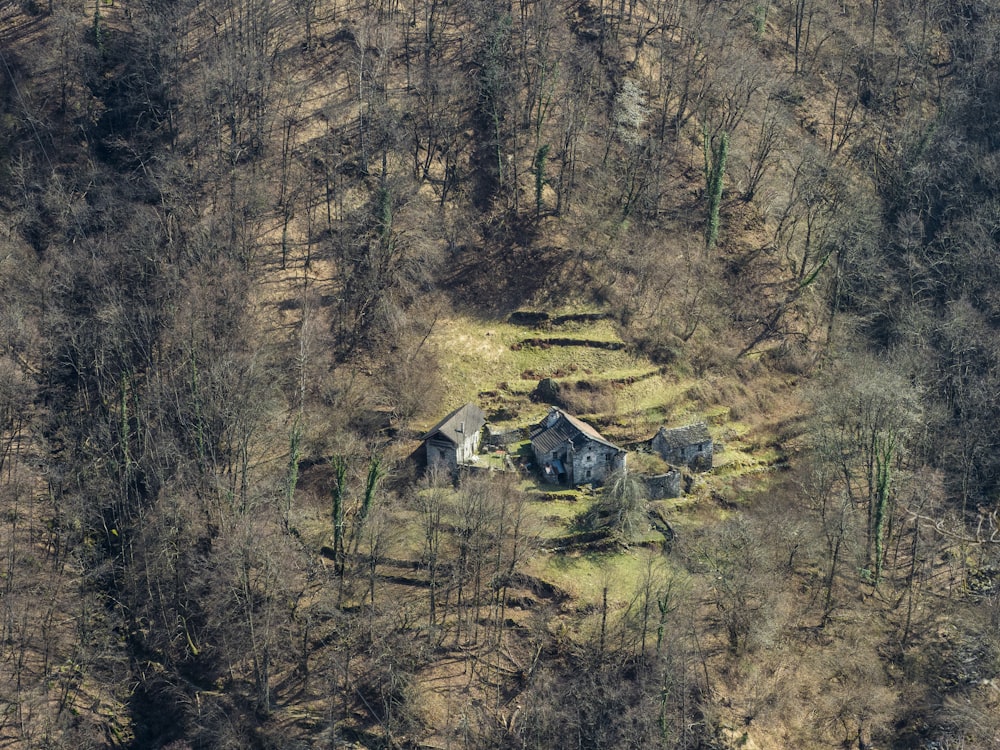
{"x": 565, "y": 428}
{"x": 681, "y": 437}
{"x": 450, "y": 428}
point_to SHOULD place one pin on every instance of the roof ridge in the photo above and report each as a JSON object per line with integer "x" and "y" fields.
{"x": 468, "y": 410}
{"x": 587, "y": 429}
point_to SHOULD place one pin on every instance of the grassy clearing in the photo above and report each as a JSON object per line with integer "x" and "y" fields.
{"x": 477, "y": 356}
{"x": 555, "y": 515}
{"x": 541, "y": 492}
{"x": 669, "y": 400}
{"x": 647, "y": 463}
{"x": 736, "y": 462}
{"x": 594, "y": 330}
{"x": 628, "y": 397}
{"x": 614, "y": 377}
{"x": 495, "y": 460}
{"x": 489, "y": 357}
{"x": 585, "y": 575}
{"x": 536, "y": 362}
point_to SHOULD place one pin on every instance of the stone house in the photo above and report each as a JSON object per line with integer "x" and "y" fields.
{"x": 454, "y": 440}
{"x": 689, "y": 446}
{"x": 568, "y": 451}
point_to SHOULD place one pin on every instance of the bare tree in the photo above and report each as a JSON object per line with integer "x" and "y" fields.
{"x": 741, "y": 585}
{"x": 869, "y": 417}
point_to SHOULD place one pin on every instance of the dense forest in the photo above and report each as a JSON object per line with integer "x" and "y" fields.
{"x": 251, "y": 250}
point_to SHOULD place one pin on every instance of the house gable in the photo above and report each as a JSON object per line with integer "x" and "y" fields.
{"x": 570, "y": 451}
{"x": 455, "y": 439}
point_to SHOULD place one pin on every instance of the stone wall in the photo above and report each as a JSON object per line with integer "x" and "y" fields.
{"x": 664, "y": 486}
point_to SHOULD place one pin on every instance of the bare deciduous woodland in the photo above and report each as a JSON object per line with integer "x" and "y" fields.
{"x": 252, "y": 250}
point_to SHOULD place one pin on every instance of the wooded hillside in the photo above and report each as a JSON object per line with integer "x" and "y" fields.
{"x": 250, "y": 250}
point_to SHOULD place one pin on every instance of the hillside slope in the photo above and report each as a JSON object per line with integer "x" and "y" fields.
{"x": 251, "y": 249}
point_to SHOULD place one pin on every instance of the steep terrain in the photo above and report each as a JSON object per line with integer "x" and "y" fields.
{"x": 251, "y": 249}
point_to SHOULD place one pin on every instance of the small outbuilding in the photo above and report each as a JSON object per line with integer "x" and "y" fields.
{"x": 571, "y": 452}
{"x": 689, "y": 446}
{"x": 454, "y": 440}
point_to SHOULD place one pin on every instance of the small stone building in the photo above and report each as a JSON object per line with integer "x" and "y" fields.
{"x": 689, "y": 446}
{"x": 663, "y": 486}
{"x": 568, "y": 451}
{"x": 454, "y": 440}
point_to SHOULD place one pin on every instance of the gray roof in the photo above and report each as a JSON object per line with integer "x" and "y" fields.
{"x": 681, "y": 437}
{"x": 461, "y": 423}
{"x": 564, "y": 429}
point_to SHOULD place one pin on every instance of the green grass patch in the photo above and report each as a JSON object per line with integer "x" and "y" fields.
{"x": 647, "y": 463}
{"x": 477, "y": 355}
{"x": 649, "y": 537}
{"x": 521, "y": 449}
{"x": 614, "y": 377}
{"x": 534, "y": 362}
{"x": 495, "y": 460}
{"x": 555, "y": 519}
{"x": 541, "y": 492}
{"x": 585, "y": 575}
{"x": 481, "y": 356}
{"x": 658, "y": 399}
{"x": 736, "y": 430}
{"x": 718, "y": 414}
{"x": 735, "y": 462}
{"x": 521, "y": 387}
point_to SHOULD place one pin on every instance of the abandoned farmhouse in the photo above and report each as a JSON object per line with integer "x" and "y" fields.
{"x": 454, "y": 440}
{"x": 689, "y": 446}
{"x": 567, "y": 450}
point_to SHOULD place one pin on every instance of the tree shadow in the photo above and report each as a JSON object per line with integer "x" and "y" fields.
{"x": 502, "y": 277}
